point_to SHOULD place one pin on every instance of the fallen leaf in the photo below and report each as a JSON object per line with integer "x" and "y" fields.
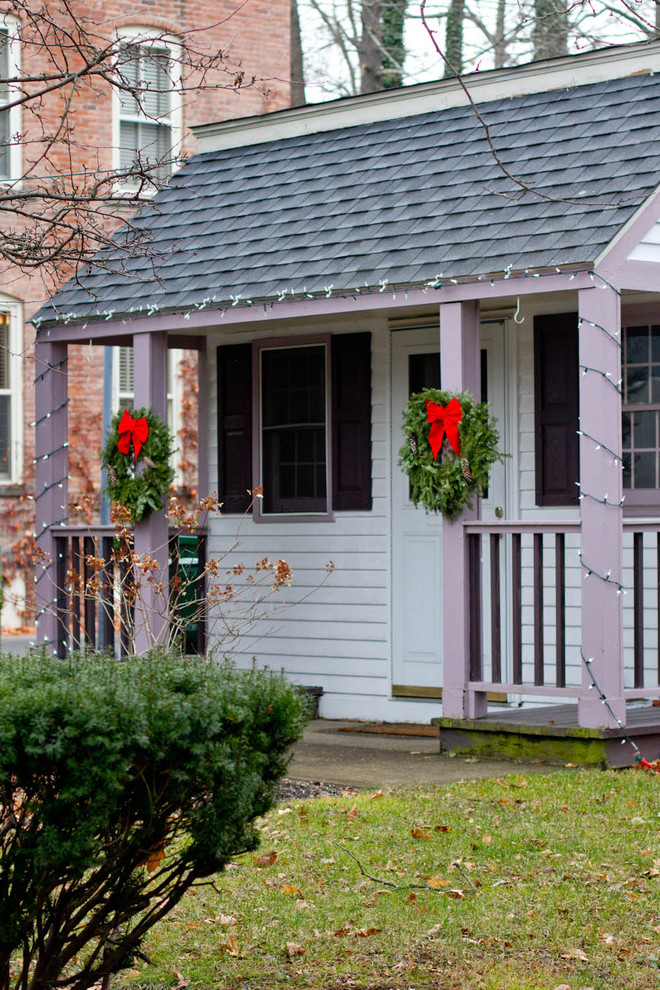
{"x": 420, "y": 833}
{"x": 486, "y": 839}
{"x": 233, "y": 945}
{"x": 227, "y": 919}
{"x": 455, "y": 893}
{"x": 437, "y": 882}
{"x": 291, "y": 890}
{"x": 375, "y": 897}
{"x": 353, "y": 812}
{"x": 442, "y": 828}
{"x": 367, "y": 932}
{"x": 575, "y": 954}
{"x": 378, "y": 794}
{"x": 293, "y": 949}
{"x": 563, "y": 986}
{"x": 266, "y": 860}
{"x": 182, "y": 981}
{"x": 435, "y": 930}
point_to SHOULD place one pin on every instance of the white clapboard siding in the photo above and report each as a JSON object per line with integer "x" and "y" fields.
{"x": 339, "y": 636}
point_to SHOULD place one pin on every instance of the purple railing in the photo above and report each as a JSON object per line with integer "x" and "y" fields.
{"x": 505, "y": 560}
{"x": 95, "y": 607}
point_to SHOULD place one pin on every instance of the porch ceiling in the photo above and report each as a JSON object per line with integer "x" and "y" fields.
{"x": 404, "y": 200}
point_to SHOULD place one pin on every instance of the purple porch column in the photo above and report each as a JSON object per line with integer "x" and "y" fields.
{"x": 602, "y": 524}
{"x": 151, "y": 533}
{"x": 50, "y": 477}
{"x": 460, "y": 370}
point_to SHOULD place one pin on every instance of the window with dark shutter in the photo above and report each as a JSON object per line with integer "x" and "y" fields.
{"x": 556, "y": 409}
{"x": 351, "y": 421}
{"x": 234, "y": 426}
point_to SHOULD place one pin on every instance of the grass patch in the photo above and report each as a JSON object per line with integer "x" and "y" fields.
{"x": 527, "y": 883}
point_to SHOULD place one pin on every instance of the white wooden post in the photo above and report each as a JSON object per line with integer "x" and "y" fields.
{"x": 601, "y": 521}
{"x": 151, "y": 533}
{"x": 50, "y": 479}
{"x": 460, "y": 370}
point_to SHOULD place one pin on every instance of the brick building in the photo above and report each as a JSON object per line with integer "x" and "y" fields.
{"x": 169, "y": 44}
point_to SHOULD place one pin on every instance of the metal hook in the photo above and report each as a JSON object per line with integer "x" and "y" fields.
{"x": 517, "y": 313}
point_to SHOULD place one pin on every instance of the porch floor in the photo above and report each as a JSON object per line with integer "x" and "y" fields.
{"x": 552, "y": 734}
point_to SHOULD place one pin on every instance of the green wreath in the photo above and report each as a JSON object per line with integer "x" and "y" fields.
{"x": 140, "y": 483}
{"x": 449, "y": 483}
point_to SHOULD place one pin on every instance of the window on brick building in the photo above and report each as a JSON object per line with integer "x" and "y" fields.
{"x": 11, "y": 411}
{"x": 148, "y": 107}
{"x": 9, "y": 117}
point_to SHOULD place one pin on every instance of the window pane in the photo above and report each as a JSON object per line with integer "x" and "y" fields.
{"x": 627, "y": 470}
{"x": 4, "y": 144}
{"x": 644, "y": 429}
{"x": 143, "y": 145}
{"x": 637, "y": 345}
{"x": 156, "y": 82}
{"x": 655, "y": 343}
{"x": 5, "y": 435}
{"x": 637, "y": 385}
{"x": 129, "y": 73}
{"x": 4, "y": 66}
{"x": 4, "y": 351}
{"x": 655, "y": 383}
{"x": 645, "y": 470}
{"x": 626, "y": 427}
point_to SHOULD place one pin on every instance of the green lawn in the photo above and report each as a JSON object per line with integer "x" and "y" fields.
{"x": 520, "y": 883}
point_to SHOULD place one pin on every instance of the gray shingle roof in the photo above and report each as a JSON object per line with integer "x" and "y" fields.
{"x": 404, "y": 200}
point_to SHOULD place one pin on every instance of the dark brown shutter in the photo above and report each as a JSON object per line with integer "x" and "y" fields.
{"x": 234, "y": 426}
{"x": 556, "y": 409}
{"x": 351, "y": 421}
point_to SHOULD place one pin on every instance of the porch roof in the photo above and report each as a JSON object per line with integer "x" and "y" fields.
{"x": 404, "y": 200}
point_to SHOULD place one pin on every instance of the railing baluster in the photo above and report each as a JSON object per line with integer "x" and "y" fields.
{"x": 108, "y": 597}
{"x": 89, "y": 599}
{"x": 560, "y": 608}
{"x": 125, "y": 609}
{"x": 538, "y": 608}
{"x": 61, "y": 566}
{"x": 658, "y": 612}
{"x": 76, "y": 624}
{"x": 474, "y": 572}
{"x": 516, "y": 605}
{"x": 638, "y": 608}
{"x": 201, "y": 594}
{"x": 495, "y": 608}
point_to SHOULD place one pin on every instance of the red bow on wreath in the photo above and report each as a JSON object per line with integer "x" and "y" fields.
{"x": 444, "y": 419}
{"x": 131, "y": 429}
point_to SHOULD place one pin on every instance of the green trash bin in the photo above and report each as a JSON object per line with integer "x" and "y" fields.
{"x": 187, "y": 598}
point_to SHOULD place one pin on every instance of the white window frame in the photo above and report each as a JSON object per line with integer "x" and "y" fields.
{"x": 13, "y": 28}
{"x": 174, "y": 399}
{"x": 149, "y": 37}
{"x": 15, "y": 391}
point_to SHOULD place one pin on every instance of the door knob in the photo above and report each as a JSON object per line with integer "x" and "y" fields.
{"x": 499, "y": 512}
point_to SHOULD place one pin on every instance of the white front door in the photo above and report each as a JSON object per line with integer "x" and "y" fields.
{"x": 416, "y": 535}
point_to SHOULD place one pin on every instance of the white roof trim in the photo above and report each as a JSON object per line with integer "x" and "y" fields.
{"x": 535, "y": 77}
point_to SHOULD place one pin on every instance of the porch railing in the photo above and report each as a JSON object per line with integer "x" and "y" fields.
{"x": 93, "y": 602}
{"x": 524, "y": 601}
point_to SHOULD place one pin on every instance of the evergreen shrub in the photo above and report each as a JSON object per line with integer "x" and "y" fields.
{"x": 121, "y": 784}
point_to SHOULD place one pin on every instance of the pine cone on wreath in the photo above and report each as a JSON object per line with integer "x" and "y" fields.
{"x": 465, "y": 467}
{"x": 412, "y": 440}
{"x": 112, "y": 475}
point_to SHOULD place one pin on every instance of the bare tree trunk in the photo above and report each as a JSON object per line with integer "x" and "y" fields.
{"x": 394, "y": 52}
{"x": 499, "y": 43}
{"x": 370, "y": 46}
{"x": 550, "y": 33}
{"x": 297, "y": 65}
{"x": 454, "y": 38}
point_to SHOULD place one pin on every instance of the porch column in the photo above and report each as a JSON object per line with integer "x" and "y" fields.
{"x": 151, "y": 533}
{"x": 601, "y": 522}
{"x": 460, "y": 370}
{"x": 50, "y": 479}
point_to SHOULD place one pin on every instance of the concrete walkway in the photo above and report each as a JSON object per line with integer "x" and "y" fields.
{"x": 387, "y": 761}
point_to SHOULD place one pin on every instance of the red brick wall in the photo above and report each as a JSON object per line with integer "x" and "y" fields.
{"x": 255, "y": 39}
